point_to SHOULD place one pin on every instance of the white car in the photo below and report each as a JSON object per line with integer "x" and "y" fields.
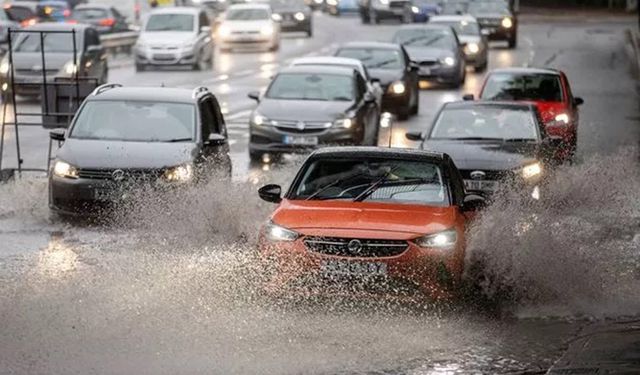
{"x": 374, "y": 84}
{"x": 249, "y": 26}
{"x": 175, "y": 36}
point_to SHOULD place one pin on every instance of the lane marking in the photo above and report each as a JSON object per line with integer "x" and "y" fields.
{"x": 238, "y": 115}
{"x": 532, "y": 52}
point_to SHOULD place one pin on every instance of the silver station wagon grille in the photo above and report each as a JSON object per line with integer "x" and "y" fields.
{"x": 355, "y": 247}
{"x": 119, "y": 174}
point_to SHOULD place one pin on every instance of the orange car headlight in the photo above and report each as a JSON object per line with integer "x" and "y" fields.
{"x": 442, "y": 240}
{"x": 275, "y": 232}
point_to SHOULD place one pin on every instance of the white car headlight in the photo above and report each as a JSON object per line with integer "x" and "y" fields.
{"x": 275, "y": 232}
{"x": 267, "y": 30}
{"x": 384, "y": 2}
{"x": 442, "y": 240}
{"x": 258, "y": 119}
{"x": 70, "y": 68}
{"x": 64, "y": 169}
{"x": 345, "y": 123}
{"x": 180, "y": 173}
{"x": 397, "y": 88}
{"x": 224, "y": 30}
{"x": 449, "y": 61}
{"x": 299, "y": 16}
{"x": 507, "y": 23}
{"x": 472, "y": 48}
{"x": 532, "y": 170}
{"x": 415, "y": 9}
{"x": 276, "y": 17}
{"x": 4, "y": 67}
{"x": 562, "y": 118}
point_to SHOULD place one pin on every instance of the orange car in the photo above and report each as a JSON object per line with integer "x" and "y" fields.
{"x": 391, "y": 219}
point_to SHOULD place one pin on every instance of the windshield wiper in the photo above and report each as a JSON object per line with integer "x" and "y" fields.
{"x": 476, "y": 139}
{"x": 519, "y": 140}
{"x": 382, "y": 63}
{"x": 386, "y": 182}
{"x": 331, "y": 184}
{"x": 178, "y": 140}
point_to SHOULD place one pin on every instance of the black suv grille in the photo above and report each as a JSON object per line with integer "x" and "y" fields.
{"x": 355, "y": 247}
{"x": 127, "y": 174}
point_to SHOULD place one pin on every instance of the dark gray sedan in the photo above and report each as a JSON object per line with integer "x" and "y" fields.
{"x": 305, "y": 107}
{"x": 437, "y": 51}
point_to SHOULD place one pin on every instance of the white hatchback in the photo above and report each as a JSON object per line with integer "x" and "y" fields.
{"x": 249, "y": 26}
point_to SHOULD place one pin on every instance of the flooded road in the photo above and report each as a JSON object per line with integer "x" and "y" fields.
{"x": 159, "y": 291}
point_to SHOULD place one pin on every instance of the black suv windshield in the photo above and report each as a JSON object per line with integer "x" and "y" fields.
{"x": 375, "y": 58}
{"x": 135, "y": 121}
{"x": 312, "y": 86}
{"x": 485, "y": 122}
{"x": 396, "y": 181}
{"x": 425, "y": 38}
{"x": 537, "y": 87}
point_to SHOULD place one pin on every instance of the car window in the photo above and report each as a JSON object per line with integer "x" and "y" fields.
{"x": 170, "y": 22}
{"x": 425, "y": 38}
{"x": 208, "y": 118}
{"x": 143, "y": 121}
{"x": 375, "y": 58}
{"x": 398, "y": 181}
{"x": 18, "y": 13}
{"x": 203, "y": 20}
{"x": 361, "y": 84}
{"x": 247, "y": 14}
{"x": 312, "y": 86}
{"x": 54, "y": 42}
{"x": 463, "y": 27}
{"x": 485, "y": 122}
{"x": 86, "y": 14}
{"x": 3, "y": 15}
{"x": 93, "y": 39}
{"x": 538, "y": 87}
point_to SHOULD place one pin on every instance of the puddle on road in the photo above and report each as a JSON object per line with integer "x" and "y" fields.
{"x": 170, "y": 288}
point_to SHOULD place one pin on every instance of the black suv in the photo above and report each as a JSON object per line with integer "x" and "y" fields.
{"x": 497, "y": 20}
{"x": 123, "y": 137}
{"x": 373, "y": 11}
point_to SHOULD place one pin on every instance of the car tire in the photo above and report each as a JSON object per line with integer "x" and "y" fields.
{"x": 513, "y": 42}
{"x": 105, "y": 76}
{"x": 140, "y": 68}
{"x": 255, "y": 156}
{"x": 415, "y": 108}
{"x": 407, "y": 17}
{"x": 480, "y": 68}
{"x": 364, "y": 17}
{"x": 310, "y": 32}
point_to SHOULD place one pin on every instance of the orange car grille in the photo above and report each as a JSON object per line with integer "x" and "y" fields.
{"x": 355, "y": 247}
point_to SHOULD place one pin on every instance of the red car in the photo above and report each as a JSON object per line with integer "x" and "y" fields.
{"x": 387, "y": 220}
{"x": 549, "y": 89}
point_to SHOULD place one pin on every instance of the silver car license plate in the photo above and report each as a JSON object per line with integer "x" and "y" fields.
{"x": 341, "y": 267}
{"x": 300, "y": 140}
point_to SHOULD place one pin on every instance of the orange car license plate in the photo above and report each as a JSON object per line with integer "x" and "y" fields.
{"x": 353, "y": 268}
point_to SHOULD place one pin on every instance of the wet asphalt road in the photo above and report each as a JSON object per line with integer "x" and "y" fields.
{"x": 170, "y": 291}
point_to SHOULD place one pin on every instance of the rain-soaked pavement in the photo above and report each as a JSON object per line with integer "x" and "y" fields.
{"x": 171, "y": 286}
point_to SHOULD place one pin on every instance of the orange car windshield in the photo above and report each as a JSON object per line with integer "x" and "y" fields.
{"x": 393, "y": 181}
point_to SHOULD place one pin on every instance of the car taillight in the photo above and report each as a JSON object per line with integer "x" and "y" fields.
{"x": 28, "y": 22}
{"x": 107, "y": 22}
{"x": 72, "y": 22}
{"x": 66, "y": 12}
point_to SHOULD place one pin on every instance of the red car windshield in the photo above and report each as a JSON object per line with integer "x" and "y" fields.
{"x": 534, "y": 87}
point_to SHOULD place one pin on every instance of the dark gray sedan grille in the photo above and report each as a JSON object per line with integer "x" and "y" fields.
{"x": 127, "y": 174}
{"x": 367, "y": 247}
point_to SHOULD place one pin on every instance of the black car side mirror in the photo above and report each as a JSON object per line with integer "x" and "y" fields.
{"x": 255, "y": 95}
{"x": 414, "y": 66}
{"x": 215, "y": 139}
{"x": 270, "y": 193}
{"x": 57, "y": 135}
{"x": 473, "y": 202}
{"x": 578, "y": 101}
{"x": 414, "y": 136}
{"x": 468, "y": 97}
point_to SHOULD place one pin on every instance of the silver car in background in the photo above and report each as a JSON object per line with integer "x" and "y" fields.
{"x": 175, "y": 36}
{"x": 475, "y": 45}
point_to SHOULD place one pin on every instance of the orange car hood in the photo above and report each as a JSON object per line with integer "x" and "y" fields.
{"x": 368, "y": 216}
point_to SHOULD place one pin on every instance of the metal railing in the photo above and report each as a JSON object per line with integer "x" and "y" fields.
{"x": 119, "y": 42}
